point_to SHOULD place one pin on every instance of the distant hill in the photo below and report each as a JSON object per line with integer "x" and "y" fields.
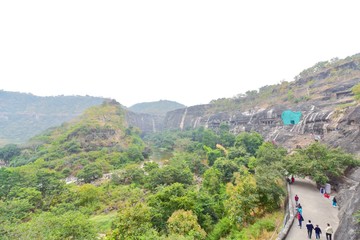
{"x": 75, "y": 143}
{"x": 24, "y": 115}
{"x": 157, "y": 108}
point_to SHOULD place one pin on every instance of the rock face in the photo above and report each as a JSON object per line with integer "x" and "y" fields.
{"x": 318, "y": 122}
{"x": 147, "y": 123}
{"x": 349, "y": 203}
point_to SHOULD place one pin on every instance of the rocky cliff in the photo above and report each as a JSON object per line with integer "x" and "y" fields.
{"x": 349, "y": 203}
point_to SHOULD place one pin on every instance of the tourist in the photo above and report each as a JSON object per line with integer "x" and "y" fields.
{"x": 334, "y": 202}
{"x": 288, "y": 180}
{"x": 300, "y": 219}
{"x": 309, "y": 227}
{"x": 317, "y": 232}
{"x": 296, "y": 199}
{"x": 292, "y": 179}
{"x": 299, "y": 209}
{"x": 329, "y": 231}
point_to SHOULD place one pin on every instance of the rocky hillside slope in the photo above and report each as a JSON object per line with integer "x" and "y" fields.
{"x": 322, "y": 94}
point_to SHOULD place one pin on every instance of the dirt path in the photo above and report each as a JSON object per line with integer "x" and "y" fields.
{"x": 316, "y": 208}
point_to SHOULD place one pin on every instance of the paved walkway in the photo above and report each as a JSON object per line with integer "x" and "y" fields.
{"x": 315, "y": 207}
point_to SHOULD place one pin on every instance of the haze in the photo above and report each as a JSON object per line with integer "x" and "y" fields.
{"x": 186, "y": 51}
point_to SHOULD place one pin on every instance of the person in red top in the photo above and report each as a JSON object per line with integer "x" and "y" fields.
{"x": 292, "y": 179}
{"x": 296, "y": 199}
{"x": 300, "y": 219}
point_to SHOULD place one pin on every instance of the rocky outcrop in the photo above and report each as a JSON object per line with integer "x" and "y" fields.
{"x": 147, "y": 123}
{"x": 349, "y": 203}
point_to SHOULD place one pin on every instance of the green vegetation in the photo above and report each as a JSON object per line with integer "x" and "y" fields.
{"x": 210, "y": 185}
{"x": 356, "y": 91}
{"x": 319, "y": 162}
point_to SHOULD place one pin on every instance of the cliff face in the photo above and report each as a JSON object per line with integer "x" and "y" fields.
{"x": 349, "y": 203}
{"x": 321, "y": 120}
{"x": 147, "y": 123}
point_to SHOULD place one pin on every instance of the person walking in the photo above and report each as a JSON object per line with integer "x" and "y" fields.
{"x": 292, "y": 179}
{"x": 299, "y": 209}
{"x": 300, "y": 219}
{"x": 296, "y": 199}
{"x": 310, "y": 228}
{"x": 317, "y": 232}
{"x": 334, "y": 202}
{"x": 329, "y": 231}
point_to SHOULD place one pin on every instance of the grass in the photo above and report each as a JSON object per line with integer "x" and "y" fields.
{"x": 103, "y": 222}
{"x": 265, "y": 228}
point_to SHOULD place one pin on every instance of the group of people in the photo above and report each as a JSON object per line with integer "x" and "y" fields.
{"x": 290, "y": 181}
{"x": 309, "y": 226}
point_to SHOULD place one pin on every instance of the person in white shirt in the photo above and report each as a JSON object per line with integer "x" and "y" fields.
{"x": 329, "y": 231}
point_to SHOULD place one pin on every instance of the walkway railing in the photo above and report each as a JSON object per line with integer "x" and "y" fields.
{"x": 289, "y": 216}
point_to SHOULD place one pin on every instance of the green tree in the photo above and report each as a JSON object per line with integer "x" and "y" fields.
{"x": 356, "y": 91}
{"x": 88, "y": 194}
{"x": 9, "y": 151}
{"x": 70, "y": 225}
{"x": 185, "y": 223}
{"x": 227, "y": 139}
{"x": 130, "y": 174}
{"x": 213, "y": 154}
{"x": 243, "y": 199}
{"x": 148, "y": 166}
{"x": 269, "y": 153}
{"x": 133, "y": 221}
{"x": 250, "y": 141}
{"x": 167, "y": 200}
{"x": 8, "y": 179}
{"x": 212, "y": 181}
{"x": 134, "y": 153}
{"x": 320, "y": 162}
{"x": 169, "y": 175}
{"x": 226, "y": 167}
{"x": 90, "y": 172}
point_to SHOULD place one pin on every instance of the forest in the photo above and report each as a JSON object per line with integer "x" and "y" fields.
{"x": 96, "y": 178}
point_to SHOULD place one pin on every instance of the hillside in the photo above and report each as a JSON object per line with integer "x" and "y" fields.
{"x": 84, "y": 137}
{"x": 214, "y": 171}
{"x": 323, "y": 94}
{"x": 88, "y": 178}
{"x": 327, "y": 98}
{"x": 156, "y": 108}
{"x": 94, "y": 177}
{"x": 24, "y": 115}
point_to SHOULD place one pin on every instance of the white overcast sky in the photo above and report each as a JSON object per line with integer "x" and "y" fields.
{"x": 186, "y": 51}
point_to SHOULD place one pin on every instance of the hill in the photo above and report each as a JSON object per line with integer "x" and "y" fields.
{"x": 84, "y": 137}
{"x": 200, "y": 172}
{"x": 156, "y": 108}
{"x": 23, "y": 115}
{"x": 325, "y": 95}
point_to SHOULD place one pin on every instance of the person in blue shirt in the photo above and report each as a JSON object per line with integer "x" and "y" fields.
{"x": 310, "y": 228}
{"x": 299, "y": 209}
{"x": 334, "y": 202}
{"x": 317, "y": 232}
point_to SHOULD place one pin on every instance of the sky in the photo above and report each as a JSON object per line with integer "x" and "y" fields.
{"x": 190, "y": 52}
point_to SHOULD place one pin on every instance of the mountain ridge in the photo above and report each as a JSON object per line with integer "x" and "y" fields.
{"x": 23, "y": 115}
